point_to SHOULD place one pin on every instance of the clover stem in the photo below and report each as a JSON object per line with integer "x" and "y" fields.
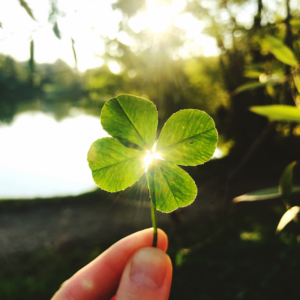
{"x": 150, "y": 182}
{"x": 154, "y": 223}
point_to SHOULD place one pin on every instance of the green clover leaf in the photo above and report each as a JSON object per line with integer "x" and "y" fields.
{"x": 188, "y": 138}
{"x": 114, "y": 167}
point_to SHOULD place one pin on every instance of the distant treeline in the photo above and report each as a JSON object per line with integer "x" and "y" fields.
{"x": 57, "y": 87}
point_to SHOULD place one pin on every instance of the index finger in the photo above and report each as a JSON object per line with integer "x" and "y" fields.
{"x": 99, "y": 280}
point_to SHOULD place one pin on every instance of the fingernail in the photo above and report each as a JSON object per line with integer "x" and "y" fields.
{"x": 148, "y": 268}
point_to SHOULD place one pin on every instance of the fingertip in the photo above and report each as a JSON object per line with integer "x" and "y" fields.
{"x": 147, "y": 275}
{"x": 146, "y": 236}
{"x": 162, "y": 240}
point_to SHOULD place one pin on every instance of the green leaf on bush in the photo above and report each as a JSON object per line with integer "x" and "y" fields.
{"x": 278, "y": 112}
{"x": 295, "y": 23}
{"x": 264, "y": 194}
{"x": 24, "y": 4}
{"x": 259, "y": 195}
{"x": 249, "y": 86}
{"x": 189, "y": 137}
{"x": 252, "y": 74}
{"x": 280, "y": 50}
{"x": 56, "y": 31}
{"x": 31, "y": 60}
{"x": 297, "y": 81}
{"x": 286, "y": 181}
{"x": 288, "y": 216}
{"x": 170, "y": 186}
{"x": 74, "y": 52}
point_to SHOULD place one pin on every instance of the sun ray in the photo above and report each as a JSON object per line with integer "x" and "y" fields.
{"x": 150, "y": 157}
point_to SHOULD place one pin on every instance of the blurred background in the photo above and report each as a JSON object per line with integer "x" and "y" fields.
{"x": 238, "y": 60}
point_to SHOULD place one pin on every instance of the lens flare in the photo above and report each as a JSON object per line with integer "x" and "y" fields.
{"x": 149, "y": 157}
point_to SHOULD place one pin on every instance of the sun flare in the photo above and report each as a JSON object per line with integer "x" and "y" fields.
{"x": 149, "y": 157}
{"x": 158, "y": 17}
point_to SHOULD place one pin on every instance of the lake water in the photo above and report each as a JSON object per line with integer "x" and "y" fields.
{"x": 41, "y": 157}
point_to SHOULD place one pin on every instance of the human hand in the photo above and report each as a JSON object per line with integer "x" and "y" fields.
{"x": 130, "y": 269}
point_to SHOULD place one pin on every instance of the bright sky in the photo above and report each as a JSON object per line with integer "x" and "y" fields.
{"x": 85, "y": 21}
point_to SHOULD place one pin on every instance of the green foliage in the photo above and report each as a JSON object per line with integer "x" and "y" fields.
{"x": 203, "y": 80}
{"x": 74, "y": 51}
{"x": 50, "y": 87}
{"x": 286, "y": 181}
{"x": 252, "y": 74}
{"x": 263, "y": 194}
{"x": 56, "y": 31}
{"x": 280, "y": 50}
{"x": 297, "y": 81}
{"x": 189, "y": 137}
{"x": 295, "y": 23}
{"x": 249, "y": 86}
{"x": 31, "y": 60}
{"x": 130, "y": 7}
{"x": 172, "y": 85}
{"x": 15, "y": 89}
{"x": 24, "y": 4}
{"x": 285, "y": 189}
{"x": 287, "y": 217}
{"x": 278, "y": 112}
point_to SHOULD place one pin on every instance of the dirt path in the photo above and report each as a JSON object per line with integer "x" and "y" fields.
{"x": 28, "y": 225}
{"x": 52, "y": 224}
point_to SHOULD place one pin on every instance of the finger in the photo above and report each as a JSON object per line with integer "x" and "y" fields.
{"x": 100, "y": 278}
{"x": 147, "y": 276}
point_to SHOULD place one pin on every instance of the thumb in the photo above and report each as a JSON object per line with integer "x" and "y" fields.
{"x": 147, "y": 276}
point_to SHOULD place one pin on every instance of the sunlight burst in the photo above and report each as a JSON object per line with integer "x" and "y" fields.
{"x": 149, "y": 157}
{"x": 158, "y": 17}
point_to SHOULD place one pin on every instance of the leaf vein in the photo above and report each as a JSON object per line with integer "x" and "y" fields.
{"x": 131, "y": 122}
{"x": 120, "y": 162}
{"x": 168, "y": 185}
{"x": 188, "y": 138}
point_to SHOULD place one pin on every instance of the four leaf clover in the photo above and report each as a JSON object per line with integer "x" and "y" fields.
{"x": 188, "y": 138}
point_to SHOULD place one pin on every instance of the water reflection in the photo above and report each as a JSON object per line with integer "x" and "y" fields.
{"x": 40, "y": 157}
